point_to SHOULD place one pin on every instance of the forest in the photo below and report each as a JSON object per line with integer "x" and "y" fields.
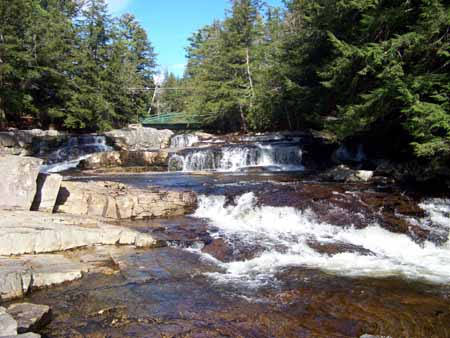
{"x": 378, "y": 69}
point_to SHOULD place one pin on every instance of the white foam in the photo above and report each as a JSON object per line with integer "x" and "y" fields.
{"x": 438, "y": 211}
{"x": 274, "y": 227}
{"x": 63, "y": 166}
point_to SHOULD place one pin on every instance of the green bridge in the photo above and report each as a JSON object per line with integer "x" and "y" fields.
{"x": 176, "y": 121}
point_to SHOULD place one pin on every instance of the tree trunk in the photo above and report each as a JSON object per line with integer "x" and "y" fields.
{"x": 243, "y": 119}
{"x": 249, "y": 74}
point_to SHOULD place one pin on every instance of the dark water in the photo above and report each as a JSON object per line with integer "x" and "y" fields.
{"x": 271, "y": 255}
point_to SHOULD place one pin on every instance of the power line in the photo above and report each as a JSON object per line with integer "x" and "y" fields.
{"x": 158, "y": 88}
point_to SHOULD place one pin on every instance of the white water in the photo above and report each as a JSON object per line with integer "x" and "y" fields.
{"x": 183, "y": 141}
{"x": 77, "y": 149}
{"x": 232, "y": 159}
{"x": 273, "y": 228}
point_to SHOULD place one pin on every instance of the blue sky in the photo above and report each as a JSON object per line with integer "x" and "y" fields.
{"x": 169, "y": 23}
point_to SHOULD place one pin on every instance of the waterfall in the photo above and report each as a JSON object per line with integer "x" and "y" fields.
{"x": 183, "y": 141}
{"x": 272, "y": 157}
{"x": 75, "y": 150}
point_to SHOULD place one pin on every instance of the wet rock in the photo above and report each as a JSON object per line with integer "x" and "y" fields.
{"x": 119, "y": 201}
{"x": 138, "y": 138}
{"x": 34, "y": 232}
{"x": 47, "y": 192}
{"x": 343, "y": 173}
{"x": 337, "y": 248}
{"x": 8, "y": 326}
{"x": 18, "y": 183}
{"x": 220, "y": 250}
{"x": 30, "y": 317}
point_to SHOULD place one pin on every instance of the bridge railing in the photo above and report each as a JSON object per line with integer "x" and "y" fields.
{"x": 174, "y": 118}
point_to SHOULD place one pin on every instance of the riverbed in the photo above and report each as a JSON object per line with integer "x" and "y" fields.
{"x": 271, "y": 254}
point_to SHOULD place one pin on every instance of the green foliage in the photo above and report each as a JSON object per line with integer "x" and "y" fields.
{"x": 72, "y": 66}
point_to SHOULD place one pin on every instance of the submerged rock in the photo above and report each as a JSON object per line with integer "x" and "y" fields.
{"x": 30, "y": 317}
{"x": 119, "y": 201}
{"x": 18, "y": 183}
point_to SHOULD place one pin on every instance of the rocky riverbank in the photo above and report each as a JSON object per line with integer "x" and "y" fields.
{"x": 43, "y": 218}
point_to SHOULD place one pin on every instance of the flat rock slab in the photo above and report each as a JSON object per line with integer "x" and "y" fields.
{"x": 8, "y": 326}
{"x": 35, "y": 232}
{"x": 20, "y": 275}
{"x": 30, "y": 317}
{"x": 118, "y": 201}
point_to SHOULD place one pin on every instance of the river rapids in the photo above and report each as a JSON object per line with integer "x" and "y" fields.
{"x": 271, "y": 251}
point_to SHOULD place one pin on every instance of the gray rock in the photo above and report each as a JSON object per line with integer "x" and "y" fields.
{"x": 35, "y": 232}
{"x": 343, "y": 173}
{"x": 18, "y": 276}
{"x": 8, "y": 326}
{"x": 138, "y": 138}
{"x": 47, "y": 192}
{"x": 30, "y": 317}
{"x": 18, "y": 183}
{"x": 21, "y": 275}
{"x": 119, "y": 201}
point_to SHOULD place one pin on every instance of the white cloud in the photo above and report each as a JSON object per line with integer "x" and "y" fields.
{"x": 117, "y": 6}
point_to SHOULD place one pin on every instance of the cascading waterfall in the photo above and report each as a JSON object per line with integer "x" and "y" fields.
{"x": 183, "y": 141}
{"x": 273, "y": 157}
{"x": 285, "y": 234}
{"x": 77, "y": 149}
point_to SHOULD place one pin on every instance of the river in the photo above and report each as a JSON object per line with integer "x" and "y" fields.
{"x": 277, "y": 252}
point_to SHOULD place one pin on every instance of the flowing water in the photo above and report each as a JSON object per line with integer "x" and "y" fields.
{"x": 271, "y": 253}
{"x": 71, "y": 154}
{"x": 271, "y": 157}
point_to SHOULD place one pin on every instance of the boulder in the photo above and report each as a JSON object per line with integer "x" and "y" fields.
{"x": 8, "y": 326}
{"x": 18, "y": 183}
{"x": 343, "y": 173}
{"x": 138, "y": 138}
{"x": 30, "y": 317}
{"x": 47, "y": 191}
{"x": 146, "y": 159}
{"x": 119, "y": 201}
{"x": 102, "y": 160}
{"x": 153, "y": 159}
{"x": 35, "y": 232}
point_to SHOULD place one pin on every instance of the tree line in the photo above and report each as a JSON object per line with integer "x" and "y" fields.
{"x": 70, "y": 64}
{"x": 353, "y": 67}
